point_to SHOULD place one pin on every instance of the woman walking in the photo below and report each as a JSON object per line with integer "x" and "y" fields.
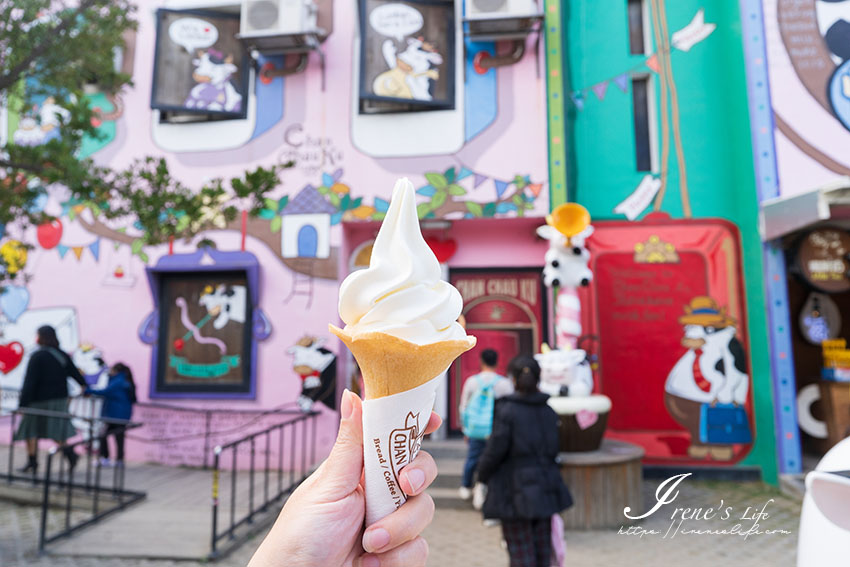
{"x": 519, "y": 466}
{"x": 46, "y": 388}
{"x": 119, "y": 395}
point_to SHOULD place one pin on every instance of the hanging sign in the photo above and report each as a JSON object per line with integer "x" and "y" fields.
{"x": 822, "y": 260}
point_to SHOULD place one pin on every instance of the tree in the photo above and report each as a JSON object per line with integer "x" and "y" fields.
{"x": 52, "y": 52}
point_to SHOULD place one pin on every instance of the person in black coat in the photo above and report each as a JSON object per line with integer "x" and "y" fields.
{"x": 520, "y": 469}
{"x": 45, "y": 388}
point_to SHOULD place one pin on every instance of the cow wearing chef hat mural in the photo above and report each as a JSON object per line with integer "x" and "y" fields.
{"x": 706, "y": 391}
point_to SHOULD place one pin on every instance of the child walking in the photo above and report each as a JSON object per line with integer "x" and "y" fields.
{"x": 119, "y": 395}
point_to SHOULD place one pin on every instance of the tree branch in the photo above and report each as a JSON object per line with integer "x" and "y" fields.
{"x": 99, "y": 229}
{"x": 13, "y": 76}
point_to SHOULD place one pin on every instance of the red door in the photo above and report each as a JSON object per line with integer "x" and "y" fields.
{"x": 506, "y": 343}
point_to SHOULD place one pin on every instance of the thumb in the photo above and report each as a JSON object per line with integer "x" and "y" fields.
{"x": 343, "y": 468}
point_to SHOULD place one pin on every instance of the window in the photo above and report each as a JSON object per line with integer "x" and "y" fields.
{"x": 407, "y": 55}
{"x": 637, "y": 32}
{"x": 643, "y": 125}
{"x": 200, "y": 68}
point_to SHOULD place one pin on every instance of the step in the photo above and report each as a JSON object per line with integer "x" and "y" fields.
{"x": 447, "y": 498}
{"x": 450, "y": 473}
{"x": 446, "y": 448}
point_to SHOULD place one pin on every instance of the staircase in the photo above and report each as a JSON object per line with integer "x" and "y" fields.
{"x": 450, "y": 455}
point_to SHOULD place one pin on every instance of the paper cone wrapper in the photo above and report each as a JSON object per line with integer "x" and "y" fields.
{"x": 401, "y": 380}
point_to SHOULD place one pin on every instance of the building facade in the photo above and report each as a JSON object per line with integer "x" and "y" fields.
{"x": 355, "y": 95}
{"x": 660, "y": 153}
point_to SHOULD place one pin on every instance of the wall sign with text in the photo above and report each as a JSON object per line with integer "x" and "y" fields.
{"x": 822, "y": 260}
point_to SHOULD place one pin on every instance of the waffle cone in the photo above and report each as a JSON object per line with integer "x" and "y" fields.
{"x": 391, "y": 365}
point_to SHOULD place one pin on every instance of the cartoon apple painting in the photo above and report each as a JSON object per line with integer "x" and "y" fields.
{"x": 49, "y": 234}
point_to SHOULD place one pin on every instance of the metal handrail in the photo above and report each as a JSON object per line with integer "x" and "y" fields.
{"x": 120, "y": 497}
{"x": 267, "y": 499}
{"x": 91, "y": 420}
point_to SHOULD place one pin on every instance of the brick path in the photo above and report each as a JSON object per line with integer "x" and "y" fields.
{"x": 458, "y": 539}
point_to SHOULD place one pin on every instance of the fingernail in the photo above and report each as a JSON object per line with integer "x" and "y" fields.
{"x": 416, "y": 478}
{"x": 345, "y": 406}
{"x": 375, "y": 539}
{"x": 370, "y": 561}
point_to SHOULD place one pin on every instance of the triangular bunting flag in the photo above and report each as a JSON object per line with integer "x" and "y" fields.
{"x": 535, "y": 188}
{"x": 479, "y": 179}
{"x": 578, "y": 99}
{"x": 62, "y": 250}
{"x": 464, "y": 173}
{"x": 94, "y": 247}
{"x": 599, "y": 89}
{"x": 501, "y": 186}
{"x": 78, "y": 251}
{"x": 652, "y": 63}
{"x": 622, "y": 81}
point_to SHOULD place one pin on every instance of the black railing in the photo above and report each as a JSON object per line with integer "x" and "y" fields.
{"x": 291, "y": 460}
{"x": 89, "y": 434}
{"x": 104, "y": 499}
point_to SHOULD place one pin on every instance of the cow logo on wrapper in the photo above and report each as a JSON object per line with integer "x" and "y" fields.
{"x": 405, "y": 444}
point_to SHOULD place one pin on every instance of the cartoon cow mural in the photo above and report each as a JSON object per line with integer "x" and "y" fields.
{"x": 226, "y": 303}
{"x": 707, "y": 388}
{"x": 567, "y": 268}
{"x": 410, "y": 72}
{"x": 317, "y": 367}
{"x": 89, "y": 360}
{"x": 213, "y": 90}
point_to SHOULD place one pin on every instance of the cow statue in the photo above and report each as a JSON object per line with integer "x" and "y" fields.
{"x": 410, "y": 72}
{"x": 89, "y": 361}
{"x": 226, "y": 303}
{"x": 709, "y": 378}
{"x": 316, "y": 366}
{"x": 566, "y": 375}
{"x": 825, "y": 519}
{"x": 213, "y": 90}
{"x": 567, "y": 269}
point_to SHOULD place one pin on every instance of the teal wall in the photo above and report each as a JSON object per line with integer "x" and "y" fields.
{"x": 711, "y": 83}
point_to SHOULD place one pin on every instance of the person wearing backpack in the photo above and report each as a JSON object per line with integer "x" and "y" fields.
{"x": 520, "y": 468}
{"x": 477, "y": 401}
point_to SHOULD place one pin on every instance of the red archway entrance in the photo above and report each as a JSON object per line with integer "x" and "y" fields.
{"x": 505, "y": 310}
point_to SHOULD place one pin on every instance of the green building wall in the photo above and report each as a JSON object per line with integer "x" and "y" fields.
{"x": 715, "y": 133}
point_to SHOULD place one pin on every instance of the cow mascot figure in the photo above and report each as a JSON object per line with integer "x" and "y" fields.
{"x": 707, "y": 388}
{"x": 567, "y": 258}
{"x": 316, "y": 366}
{"x": 213, "y": 89}
{"x": 566, "y": 373}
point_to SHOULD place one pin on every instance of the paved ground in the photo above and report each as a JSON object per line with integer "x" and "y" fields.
{"x": 458, "y": 539}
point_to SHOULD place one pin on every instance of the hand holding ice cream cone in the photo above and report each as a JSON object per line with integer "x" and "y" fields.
{"x": 401, "y": 326}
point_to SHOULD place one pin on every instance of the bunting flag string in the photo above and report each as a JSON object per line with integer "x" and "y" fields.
{"x": 682, "y": 40}
{"x": 94, "y": 248}
{"x": 501, "y": 186}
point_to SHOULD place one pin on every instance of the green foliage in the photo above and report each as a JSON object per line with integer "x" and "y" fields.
{"x": 54, "y": 52}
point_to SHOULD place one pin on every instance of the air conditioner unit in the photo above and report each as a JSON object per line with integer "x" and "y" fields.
{"x": 484, "y": 9}
{"x": 277, "y": 17}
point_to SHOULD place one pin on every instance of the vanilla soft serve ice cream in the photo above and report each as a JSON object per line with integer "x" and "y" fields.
{"x": 401, "y": 326}
{"x": 401, "y": 293}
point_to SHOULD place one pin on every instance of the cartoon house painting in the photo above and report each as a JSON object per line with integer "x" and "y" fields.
{"x": 305, "y": 232}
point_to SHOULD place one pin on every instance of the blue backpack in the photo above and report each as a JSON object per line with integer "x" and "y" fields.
{"x": 478, "y": 414}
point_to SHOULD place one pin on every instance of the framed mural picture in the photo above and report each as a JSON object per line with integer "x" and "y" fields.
{"x": 406, "y": 55}
{"x": 205, "y": 333}
{"x": 200, "y": 67}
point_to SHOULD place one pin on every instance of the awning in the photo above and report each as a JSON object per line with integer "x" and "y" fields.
{"x": 784, "y": 215}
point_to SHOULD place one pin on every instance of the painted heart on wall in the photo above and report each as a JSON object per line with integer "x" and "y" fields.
{"x": 442, "y": 249}
{"x": 10, "y": 356}
{"x": 14, "y": 301}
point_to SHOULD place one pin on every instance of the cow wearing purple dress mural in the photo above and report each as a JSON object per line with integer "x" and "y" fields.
{"x": 214, "y": 90}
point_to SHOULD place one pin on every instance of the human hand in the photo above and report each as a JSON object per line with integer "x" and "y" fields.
{"x": 321, "y": 524}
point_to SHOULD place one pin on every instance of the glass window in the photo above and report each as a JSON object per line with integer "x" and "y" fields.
{"x": 642, "y": 112}
{"x": 200, "y": 68}
{"x": 637, "y": 36}
{"x": 407, "y": 52}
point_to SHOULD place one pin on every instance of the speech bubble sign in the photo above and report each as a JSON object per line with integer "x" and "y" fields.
{"x": 192, "y": 33}
{"x": 396, "y": 20}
